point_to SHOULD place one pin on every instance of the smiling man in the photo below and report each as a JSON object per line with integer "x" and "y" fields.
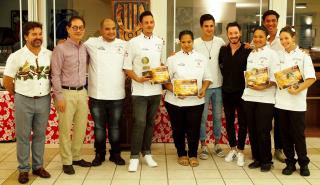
{"x": 26, "y": 76}
{"x": 106, "y": 96}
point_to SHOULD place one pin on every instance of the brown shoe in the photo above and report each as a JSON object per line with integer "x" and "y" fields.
{"x": 41, "y": 172}
{"x": 23, "y": 177}
{"x": 81, "y": 163}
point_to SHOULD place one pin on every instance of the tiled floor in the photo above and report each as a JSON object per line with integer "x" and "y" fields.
{"x": 214, "y": 171}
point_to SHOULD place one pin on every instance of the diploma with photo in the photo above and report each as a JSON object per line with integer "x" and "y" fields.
{"x": 257, "y": 77}
{"x": 185, "y": 87}
{"x": 288, "y": 77}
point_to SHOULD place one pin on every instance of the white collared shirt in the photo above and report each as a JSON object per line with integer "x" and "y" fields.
{"x": 285, "y": 100}
{"x": 106, "y": 77}
{"x": 213, "y": 46}
{"x": 187, "y": 66}
{"x": 275, "y": 45}
{"x": 139, "y": 48}
{"x": 29, "y": 80}
{"x": 262, "y": 58}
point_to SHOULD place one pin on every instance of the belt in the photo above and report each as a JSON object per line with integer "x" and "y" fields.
{"x": 33, "y": 97}
{"x": 73, "y": 88}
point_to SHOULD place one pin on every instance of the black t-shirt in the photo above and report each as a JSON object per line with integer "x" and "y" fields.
{"x": 233, "y": 67}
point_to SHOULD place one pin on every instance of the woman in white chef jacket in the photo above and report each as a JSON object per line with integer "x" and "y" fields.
{"x": 259, "y": 101}
{"x": 291, "y": 103}
{"x": 185, "y": 112}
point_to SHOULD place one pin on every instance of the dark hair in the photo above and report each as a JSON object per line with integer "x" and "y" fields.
{"x": 270, "y": 12}
{"x": 262, "y": 28}
{"x": 290, "y": 30}
{"x": 186, "y": 32}
{"x": 144, "y": 14}
{"x": 29, "y": 26}
{"x": 206, "y": 17}
{"x": 233, "y": 24}
{"x": 74, "y": 17}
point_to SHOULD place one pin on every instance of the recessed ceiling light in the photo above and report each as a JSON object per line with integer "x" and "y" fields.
{"x": 301, "y": 5}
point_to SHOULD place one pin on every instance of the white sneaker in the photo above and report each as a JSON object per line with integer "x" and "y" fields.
{"x": 133, "y": 165}
{"x": 204, "y": 155}
{"x": 240, "y": 161}
{"x": 231, "y": 156}
{"x": 218, "y": 150}
{"x": 149, "y": 160}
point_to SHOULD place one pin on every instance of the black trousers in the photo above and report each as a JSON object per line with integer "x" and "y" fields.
{"x": 185, "y": 121}
{"x": 292, "y": 134}
{"x": 276, "y": 132}
{"x": 259, "y": 119}
{"x": 232, "y": 102}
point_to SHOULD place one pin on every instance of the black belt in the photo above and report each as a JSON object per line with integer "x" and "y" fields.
{"x": 33, "y": 97}
{"x": 73, "y": 88}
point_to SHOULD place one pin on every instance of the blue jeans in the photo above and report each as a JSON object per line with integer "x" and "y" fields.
{"x": 144, "y": 113}
{"x": 31, "y": 115}
{"x": 215, "y": 95}
{"x": 106, "y": 112}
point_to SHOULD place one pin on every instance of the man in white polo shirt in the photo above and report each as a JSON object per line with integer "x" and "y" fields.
{"x": 144, "y": 53}
{"x": 106, "y": 90}
{"x": 26, "y": 75}
{"x": 209, "y": 45}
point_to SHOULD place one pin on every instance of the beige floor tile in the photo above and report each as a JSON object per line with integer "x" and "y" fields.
{"x": 4, "y": 174}
{"x": 153, "y": 173}
{"x": 97, "y": 182}
{"x": 210, "y": 182}
{"x": 263, "y": 181}
{"x": 69, "y": 182}
{"x": 257, "y": 174}
{"x": 153, "y": 181}
{"x": 234, "y": 174}
{"x": 40, "y": 181}
{"x": 206, "y": 174}
{"x": 54, "y": 165}
{"x": 294, "y": 181}
{"x": 314, "y": 181}
{"x": 107, "y": 165}
{"x": 2, "y": 180}
{"x": 222, "y": 165}
{"x": 80, "y": 174}
{"x": 314, "y": 157}
{"x": 207, "y": 164}
{"x": 125, "y": 182}
{"x": 238, "y": 181}
{"x": 316, "y": 164}
{"x": 8, "y": 165}
{"x": 314, "y": 174}
{"x": 279, "y": 175}
{"x": 100, "y": 174}
{"x": 121, "y": 174}
{"x": 180, "y": 174}
{"x": 182, "y": 182}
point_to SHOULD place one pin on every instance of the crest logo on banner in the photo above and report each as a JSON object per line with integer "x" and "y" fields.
{"x": 126, "y": 15}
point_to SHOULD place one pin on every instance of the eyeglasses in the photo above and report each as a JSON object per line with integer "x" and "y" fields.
{"x": 76, "y": 28}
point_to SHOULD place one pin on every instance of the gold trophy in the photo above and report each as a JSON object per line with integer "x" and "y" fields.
{"x": 146, "y": 69}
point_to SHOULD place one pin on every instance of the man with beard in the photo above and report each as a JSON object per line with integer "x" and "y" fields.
{"x": 233, "y": 61}
{"x": 106, "y": 96}
{"x": 26, "y": 76}
{"x": 69, "y": 63}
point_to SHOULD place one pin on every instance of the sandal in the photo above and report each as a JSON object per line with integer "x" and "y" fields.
{"x": 183, "y": 160}
{"x": 193, "y": 161}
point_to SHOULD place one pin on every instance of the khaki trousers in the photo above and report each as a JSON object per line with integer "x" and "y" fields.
{"x": 72, "y": 125}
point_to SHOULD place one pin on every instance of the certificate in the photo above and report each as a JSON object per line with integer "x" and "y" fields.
{"x": 160, "y": 75}
{"x": 185, "y": 87}
{"x": 257, "y": 77}
{"x": 288, "y": 77}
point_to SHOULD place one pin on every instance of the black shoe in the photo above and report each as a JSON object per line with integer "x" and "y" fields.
{"x": 116, "y": 158}
{"x": 41, "y": 172}
{"x": 289, "y": 169}
{"x": 97, "y": 161}
{"x": 23, "y": 177}
{"x": 68, "y": 169}
{"x": 304, "y": 170}
{"x": 266, "y": 167}
{"x": 81, "y": 163}
{"x": 254, "y": 164}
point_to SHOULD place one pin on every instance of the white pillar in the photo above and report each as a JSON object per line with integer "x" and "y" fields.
{"x": 159, "y": 11}
{"x": 279, "y": 6}
{"x": 42, "y": 12}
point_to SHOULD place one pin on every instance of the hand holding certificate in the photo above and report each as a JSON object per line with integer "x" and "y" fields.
{"x": 257, "y": 77}
{"x": 185, "y": 87}
{"x": 288, "y": 77}
{"x": 159, "y": 75}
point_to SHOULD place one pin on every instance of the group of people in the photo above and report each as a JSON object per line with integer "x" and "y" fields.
{"x": 217, "y": 67}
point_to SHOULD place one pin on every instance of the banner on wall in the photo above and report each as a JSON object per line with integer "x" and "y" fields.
{"x": 126, "y": 15}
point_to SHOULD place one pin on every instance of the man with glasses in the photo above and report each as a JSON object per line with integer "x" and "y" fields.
{"x": 69, "y": 63}
{"x": 26, "y": 76}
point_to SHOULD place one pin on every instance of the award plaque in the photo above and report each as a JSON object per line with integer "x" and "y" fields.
{"x": 185, "y": 87}
{"x": 257, "y": 77}
{"x": 288, "y": 77}
{"x": 160, "y": 75}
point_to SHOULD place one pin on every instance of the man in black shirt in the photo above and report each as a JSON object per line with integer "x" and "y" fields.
{"x": 233, "y": 61}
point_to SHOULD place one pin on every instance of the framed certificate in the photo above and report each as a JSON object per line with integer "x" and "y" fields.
{"x": 185, "y": 87}
{"x": 160, "y": 75}
{"x": 257, "y": 77}
{"x": 288, "y": 77}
